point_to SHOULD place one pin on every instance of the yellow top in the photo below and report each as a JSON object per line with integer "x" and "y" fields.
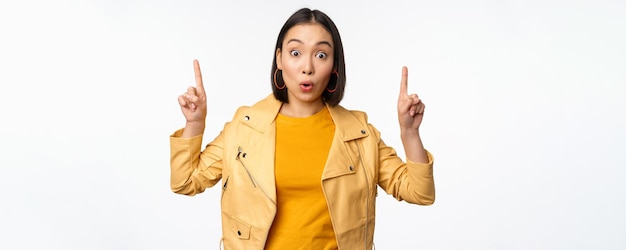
{"x": 302, "y": 219}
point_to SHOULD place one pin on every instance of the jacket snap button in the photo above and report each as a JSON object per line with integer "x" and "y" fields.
{"x": 351, "y": 168}
{"x": 246, "y": 117}
{"x": 362, "y": 131}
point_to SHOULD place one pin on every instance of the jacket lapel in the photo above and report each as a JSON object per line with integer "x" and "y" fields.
{"x": 340, "y": 157}
{"x": 260, "y": 117}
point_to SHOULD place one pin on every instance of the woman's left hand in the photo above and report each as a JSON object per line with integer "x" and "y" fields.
{"x": 410, "y": 107}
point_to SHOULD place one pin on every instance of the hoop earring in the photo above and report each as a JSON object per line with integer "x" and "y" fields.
{"x": 335, "y": 89}
{"x": 275, "y": 83}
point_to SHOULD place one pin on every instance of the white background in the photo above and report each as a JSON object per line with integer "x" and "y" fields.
{"x": 524, "y": 115}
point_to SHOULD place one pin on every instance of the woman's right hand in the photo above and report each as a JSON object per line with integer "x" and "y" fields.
{"x": 193, "y": 105}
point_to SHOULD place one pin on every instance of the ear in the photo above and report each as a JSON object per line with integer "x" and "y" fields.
{"x": 279, "y": 61}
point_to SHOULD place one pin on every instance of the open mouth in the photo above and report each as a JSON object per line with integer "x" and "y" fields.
{"x": 306, "y": 86}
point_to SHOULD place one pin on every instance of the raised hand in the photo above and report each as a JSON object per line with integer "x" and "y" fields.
{"x": 410, "y": 107}
{"x": 193, "y": 105}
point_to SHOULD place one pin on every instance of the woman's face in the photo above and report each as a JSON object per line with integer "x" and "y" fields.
{"x": 306, "y": 61}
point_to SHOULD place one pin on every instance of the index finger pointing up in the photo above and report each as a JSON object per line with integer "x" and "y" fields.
{"x": 199, "y": 84}
{"x": 404, "y": 81}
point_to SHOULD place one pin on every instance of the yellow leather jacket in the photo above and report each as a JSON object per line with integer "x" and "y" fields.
{"x": 242, "y": 156}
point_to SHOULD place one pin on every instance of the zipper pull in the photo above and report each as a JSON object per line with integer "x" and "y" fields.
{"x": 225, "y": 183}
{"x": 239, "y": 152}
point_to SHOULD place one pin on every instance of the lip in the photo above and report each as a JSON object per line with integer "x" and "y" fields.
{"x": 306, "y": 86}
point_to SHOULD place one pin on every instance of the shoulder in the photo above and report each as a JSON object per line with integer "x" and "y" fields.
{"x": 259, "y": 116}
{"x": 266, "y": 105}
{"x": 344, "y": 113}
{"x": 361, "y": 115}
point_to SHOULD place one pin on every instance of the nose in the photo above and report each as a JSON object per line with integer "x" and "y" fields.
{"x": 308, "y": 67}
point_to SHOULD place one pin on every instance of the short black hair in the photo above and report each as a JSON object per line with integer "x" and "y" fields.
{"x": 306, "y": 15}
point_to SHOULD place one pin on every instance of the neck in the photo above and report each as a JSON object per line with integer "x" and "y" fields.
{"x": 300, "y": 110}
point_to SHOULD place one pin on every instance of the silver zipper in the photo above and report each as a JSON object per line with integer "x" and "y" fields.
{"x": 225, "y": 183}
{"x": 252, "y": 179}
{"x": 224, "y": 186}
{"x": 240, "y": 150}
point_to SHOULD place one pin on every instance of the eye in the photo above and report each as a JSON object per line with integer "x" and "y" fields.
{"x": 295, "y": 53}
{"x": 321, "y": 55}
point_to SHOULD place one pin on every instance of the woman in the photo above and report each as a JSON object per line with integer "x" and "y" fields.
{"x": 297, "y": 169}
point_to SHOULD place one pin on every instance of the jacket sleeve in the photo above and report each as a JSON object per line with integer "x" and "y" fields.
{"x": 193, "y": 171}
{"x": 412, "y": 182}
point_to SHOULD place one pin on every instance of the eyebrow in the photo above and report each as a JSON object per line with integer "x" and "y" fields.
{"x": 319, "y": 43}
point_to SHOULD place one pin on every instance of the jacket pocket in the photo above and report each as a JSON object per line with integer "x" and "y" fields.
{"x": 240, "y": 228}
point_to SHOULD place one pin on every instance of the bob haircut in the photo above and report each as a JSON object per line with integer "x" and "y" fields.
{"x": 306, "y": 15}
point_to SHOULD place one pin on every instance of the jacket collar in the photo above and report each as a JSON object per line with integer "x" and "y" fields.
{"x": 261, "y": 116}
